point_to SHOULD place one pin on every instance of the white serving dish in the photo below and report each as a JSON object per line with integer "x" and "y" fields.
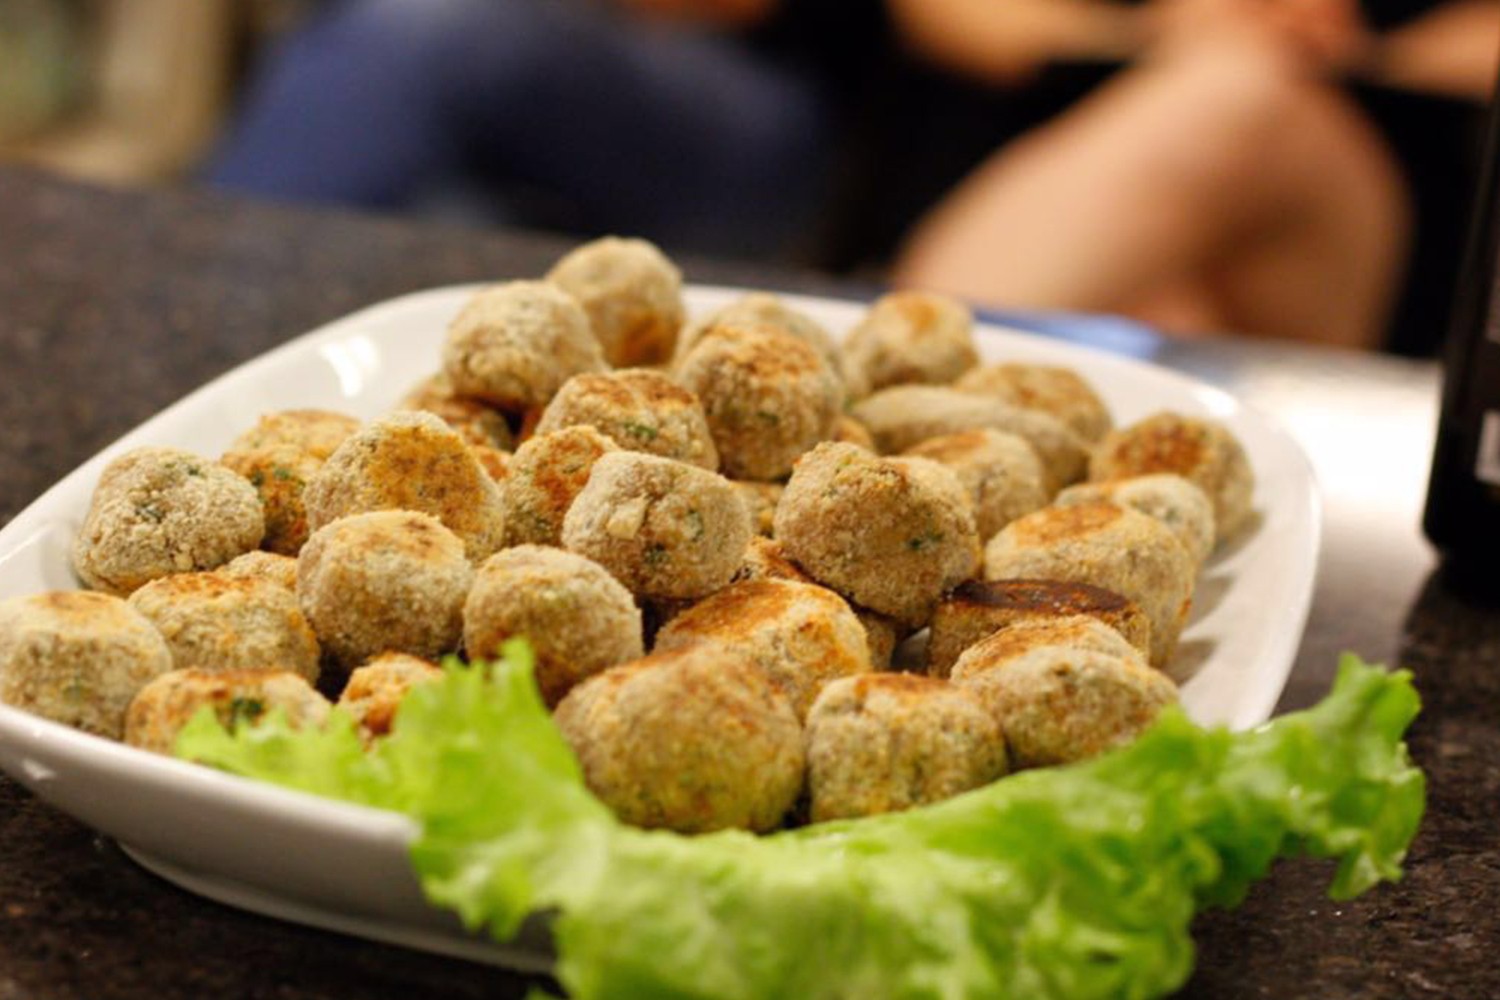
{"x": 345, "y": 867}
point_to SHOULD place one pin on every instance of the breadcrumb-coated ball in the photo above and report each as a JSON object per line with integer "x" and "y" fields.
{"x": 410, "y": 460}
{"x": 1059, "y": 704}
{"x": 1022, "y": 638}
{"x": 976, "y": 609}
{"x": 639, "y": 410}
{"x": 546, "y": 474}
{"x": 515, "y": 344}
{"x": 1204, "y": 452}
{"x": 475, "y": 422}
{"x": 906, "y": 415}
{"x": 800, "y": 635}
{"x": 1061, "y": 392}
{"x": 765, "y": 560}
{"x": 77, "y": 658}
{"x": 494, "y": 462}
{"x": 760, "y": 500}
{"x": 1178, "y": 504}
{"x": 278, "y": 456}
{"x": 213, "y": 621}
{"x": 237, "y": 697}
{"x": 912, "y": 337}
{"x": 1107, "y": 546}
{"x": 1001, "y": 472}
{"x": 887, "y": 742}
{"x": 725, "y": 749}
{"x": 376, "y": 690}
{"x": 632, "y": 294}
{"x": 391, "y": 580}
{"x": 890, "y": 533}
{"x": 578, "y": 619}
{"x": 663, "y": 528}
{"x": 158, "y": 511}
{"x": 768, "y": 396}
{"x": 764, "y": 308}
{"x": 280, "y": 570}
{"x": 280, "y": 474}
{"x": 317, "y": 432}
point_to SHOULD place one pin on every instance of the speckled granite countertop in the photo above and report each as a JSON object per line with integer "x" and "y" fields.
{"x": 114, "y": 305}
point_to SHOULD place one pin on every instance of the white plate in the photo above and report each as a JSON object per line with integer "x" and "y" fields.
{"x": 345, "y": 867}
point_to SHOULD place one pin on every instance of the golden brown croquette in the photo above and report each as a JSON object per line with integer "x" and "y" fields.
{"x": 546, "y": 474}
{"x": 410, "y": 460}
{"x": 1061, "y": 392}
{"x": 213, "y": 621}
{"x": 1107, "y": 546}
{"x": 886, "y": 742}
{"x": 1059, "y": 704}
{"x": 664, "y": 529}
{"x": 1178, "y": 504}
{"x": 158, "y": 511}
{"x": 473, "y": 420}
{"x": 639, "y": 410}
{"x": 892, "y": 534}
{"x": 912, "y": 337}
{"x": 632, "y": 294}
{"x": 768, "y": 396}
{"x": 392, "y": 580}
{"x": 725, "y": 749}
{"x": 514, "y": 345}
{"x": 1203, "y": 452}
{"x": 578, "y": 619}
{"x": 799, "y": 635}
{"x": 77, "y": 658}
{"x": 376, "y": 690}
{"x": 1000, "y": 471}
{"x": 977, "y": 609}
{"x": 237, "y": 698}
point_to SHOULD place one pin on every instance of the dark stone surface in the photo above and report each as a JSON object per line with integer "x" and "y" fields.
{"x": 113, "y": 305}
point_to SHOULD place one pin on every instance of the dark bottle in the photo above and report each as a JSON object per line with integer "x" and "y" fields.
{"x": 1463, "y": 497}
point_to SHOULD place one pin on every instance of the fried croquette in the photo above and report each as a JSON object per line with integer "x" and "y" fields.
{"x": 639, "y": 410}
{"x": 280, "y": 570}
{"x": 376, "y": 690}
{"x": 1061, "y": 392}
{"x": 1107, "y": 546}
{"x": 768, "y": 396}
{"x": 664, "y": 529}
{"x": 978, "y": 608}
{"x": 1203, "y": 452}
{"x": 724, "y": 747}
{"x": 237, "y": 698}
{"x": 892, "y": 534}
{"x": 578, "y": 619}
{"x": 887, "y": 742}
{"x": 410, "y": 460}
{"x": 546, "y": 474}
{"x": 213, "y": 621}
{"x": 1022, "y": 638}
{"x": 1058, "y": 704}
{"x": 904, "y": 416}
{"x": 1178, "y": 504}
{"x": 391, "y": 580}
{"x": 765, "y": 309}
{"x": 632, "y": 294}
{"x": 158, "y": 511}
{"x": 77, "y": 658}
{"x": 799, "y": 635}
{"x": 475, "y": 422}
{"x": 911, "y": 337}
{"x": 1000, "y": 471}
{"x": 514, "y": 345}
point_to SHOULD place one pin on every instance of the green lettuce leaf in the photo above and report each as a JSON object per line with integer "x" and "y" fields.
{"x": 1073, "y": 882}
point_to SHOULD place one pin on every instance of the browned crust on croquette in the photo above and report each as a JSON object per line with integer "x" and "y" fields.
{"x": 546, "y": 475}
{"x": 639, "y": 410}
{"x": 632, "y": 293}
{"x": 410, "y": 460}
{"x": 164, "y": 706}
{"x": 475, "y": 422}
{"x": 1052, "y": 525}
{"x": 765, "y": 559}
{"x": 316, "y": 432}
{"x": 1059, "y": 391}
{"x": 977, "y": 608}
{"x": 376, "y": 690}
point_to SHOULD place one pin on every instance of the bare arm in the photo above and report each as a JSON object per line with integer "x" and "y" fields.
{"x": 1453, "y": 50}
{"x": 1001, "y": 41}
